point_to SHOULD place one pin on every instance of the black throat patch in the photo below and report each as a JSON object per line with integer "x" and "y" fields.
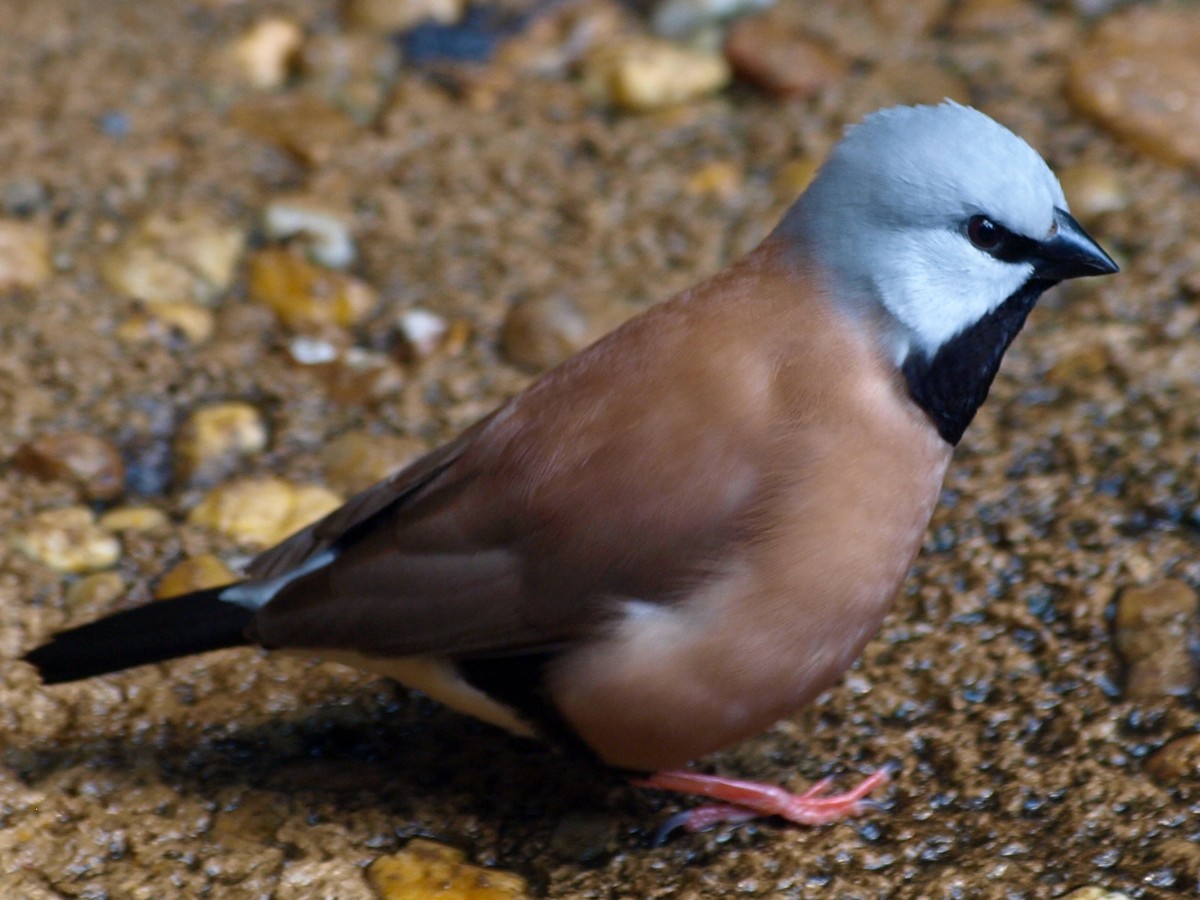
{"x": 952, "y": 384}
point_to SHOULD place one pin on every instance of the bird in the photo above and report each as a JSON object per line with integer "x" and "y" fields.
{"x": 690, "y": 529}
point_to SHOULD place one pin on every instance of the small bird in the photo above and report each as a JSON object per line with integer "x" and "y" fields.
{"x": 690, "y": 529}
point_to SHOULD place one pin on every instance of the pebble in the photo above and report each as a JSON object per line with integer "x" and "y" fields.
{"x": 266, "y": 54}
{"x": 306, "y": 296}
{"x": 305, "y": 879}
{"x": 298, "y": 122}
{"x": 24, "y": 255}
{"x": 359, "y": 376}
{"x": 165, "y": 322}
{"x": 400, "y": 15}
{"x": 422, "y": 332}
{"x": 644, "y": 75}
{"x": 1080, "y": 366}
{"x": 1139, "y": 76}
{"x": 185, "y": 259}
{"x": 1094, "y": 892}
{"x": 195, "y": 573}
{"x": 215, "y": 437}
{"x": 680, "y": 19}
{"x": 540, "y": 332}
{"x": 1151, "y": 631}
{"x": 68, "y": 540}
{"x": 97, "y": 591}
{"x": 91, "y": 464}
{"x": 1177, "y": 761}
{"x": 719, "y": 179}
{"x": 262, "y": 511}
{"x": 425, "y": 869}
{"x": 1094, "y": 189}
{"x": 782, "y": 60}
{"x": 325, "y": 233}
{"x": 312, "y": 351}
{"x": 358, "y": 459}
{"x": 134, "y": 518}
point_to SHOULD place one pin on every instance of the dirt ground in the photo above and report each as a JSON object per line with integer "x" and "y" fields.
{"x": 1030, "y": 762}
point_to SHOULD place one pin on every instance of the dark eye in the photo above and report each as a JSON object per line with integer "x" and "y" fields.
{"x": 984, "y": 233}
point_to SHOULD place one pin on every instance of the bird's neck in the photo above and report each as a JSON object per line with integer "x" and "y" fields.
{"x": 951, "y": 382}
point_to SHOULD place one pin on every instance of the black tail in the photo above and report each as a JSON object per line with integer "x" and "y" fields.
{"x": 158, "y": 631}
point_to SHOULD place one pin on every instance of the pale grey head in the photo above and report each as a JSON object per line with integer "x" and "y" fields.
{"x": 938, "y": 214}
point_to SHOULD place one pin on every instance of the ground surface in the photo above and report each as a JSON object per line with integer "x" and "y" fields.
{"x": 995, "y": 683}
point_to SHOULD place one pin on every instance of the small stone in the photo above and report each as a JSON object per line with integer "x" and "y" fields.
{"x": 643, "y": 75}
{"x": 541, "y": 332}
{"x": 720, "y": 179}
{"x": 1151, "y": 632}
{"x": 163, "y": 322}
{"x": 1139, "y": 76}
{"x": 360, "y": 376}
{"x": 422, "y": 332}
{"x": 400, "y": 15}
{"x": 306, "y": 296}
{"x": 1093, "y": 892}
{"x": 325, "y": 234}
{"x": 1094, "y": 189}
{"x": 680, "y": 19}
{"x": 1177, "y": 762}
{"x": 215, "y": 437}
{"x": 425, "y": 869}
{"x": 312, "y": 351}
{"x": 98, "y": 591}
{"x": 188, "y": 259}
{"x": 299, "y": 123}
{"x": 91, "y": 464}
{"x": 266, "y": 54}
{"x": 134, "y": 518}
{"x": 68, "y": 540}
{"x": 196, "y": 573}
{"x": 770, "y": 52}
{"x": 358, "y": 459}
{"x": 262, "y": 511}
{"x": 24, "y": 255}
{"x": 331, "y": 878}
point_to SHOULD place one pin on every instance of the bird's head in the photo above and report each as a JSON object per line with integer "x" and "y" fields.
{"x": 939, "y": 215}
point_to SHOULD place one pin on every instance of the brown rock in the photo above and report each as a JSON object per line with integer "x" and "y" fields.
{"x": 425, "y": 869}
{"x": 399, "y": 15}
{"x": 194, "y": 574}
{"x": 773, "y": 54}
{"x": 359, "y": 376}
{"x": 720, "y": 178}
{"x": 90, "y": 463}
{"x": 1139, "y": 75}
{"x": 1151, "y": 634}
{"x": 306, "y": 296}
{"x": 1177, "y": 761}
{"x": 24, "y": 255}
{"x": 541, "y": 332}
{"x": 134, "y": 518}
{"x": 299, "y": 123}
{"x": 357, "y": 459}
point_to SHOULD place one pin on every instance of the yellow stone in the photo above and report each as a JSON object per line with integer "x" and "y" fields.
{"x": 304, "y": 295}
{"x": 652, "y": 74}
{"x": 262, "y": 511}
{"x": 357, "y": 459}
{"x": 68, "y": 540}
{"x": 722, "y": 179}
{"x": 96, "y": 591}
{"x": 194, "y": 574}
{"x": 215, "y": 436}
{"x": 190, "y": 259}
{"x": 133, "y": 518}
{"x": 793, "y": 177}
{"x": 425, "y": 870}
{"x": 24, "y": 255}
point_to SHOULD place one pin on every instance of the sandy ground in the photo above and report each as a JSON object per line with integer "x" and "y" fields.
{"x": 994, "y": 684}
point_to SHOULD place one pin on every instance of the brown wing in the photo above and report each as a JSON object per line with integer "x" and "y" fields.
{"x": 624, "y": 474}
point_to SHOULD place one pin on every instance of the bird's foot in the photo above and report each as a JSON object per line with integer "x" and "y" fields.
{"x": 745, "y": 800}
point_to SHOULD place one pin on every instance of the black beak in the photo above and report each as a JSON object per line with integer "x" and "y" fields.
{"x": 1070, "y": 252}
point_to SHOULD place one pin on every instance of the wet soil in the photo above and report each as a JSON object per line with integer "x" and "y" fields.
{"x": 994, "y": 683}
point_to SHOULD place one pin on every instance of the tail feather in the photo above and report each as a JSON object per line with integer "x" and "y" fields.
{"x": 156, "y": 632}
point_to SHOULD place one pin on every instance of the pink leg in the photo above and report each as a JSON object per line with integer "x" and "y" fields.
{"x": 744, "y": 800}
